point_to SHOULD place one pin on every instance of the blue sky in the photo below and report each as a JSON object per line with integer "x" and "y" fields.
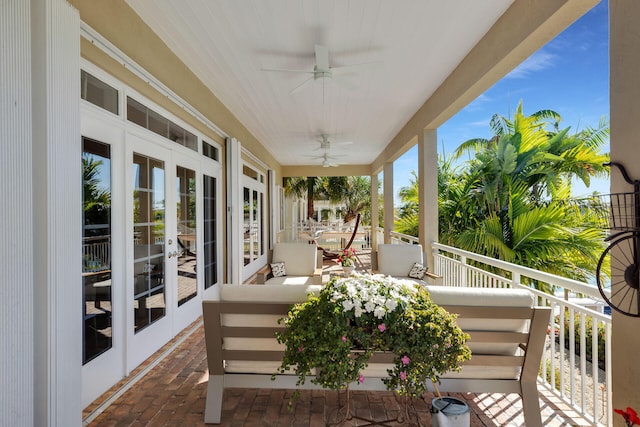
{"x": 569, "y": 75}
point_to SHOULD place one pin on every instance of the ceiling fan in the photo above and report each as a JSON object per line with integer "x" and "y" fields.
{"x": 325, "y": 144}
{"x": 327, "y": 160}
{"x": 321, "y": 70}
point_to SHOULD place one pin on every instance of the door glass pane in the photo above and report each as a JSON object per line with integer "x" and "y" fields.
{"x": 255, "y": 232}
{"x": 210, "y": 244}
{"x": 247, "y": 226}
{"x": 148, "y": 241}
{"x": 96, "y": 249}
{"x": 261, "y": 222}
{"x": 186, "y": 233}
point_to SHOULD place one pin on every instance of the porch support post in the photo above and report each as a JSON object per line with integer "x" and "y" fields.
{"x": 57, "y": 213}
{"x": 374, "y": 213}
{"x": 388, "y": 201}
{"x": 235, "y": 216}
{"x": 624, "y": 60}
{"x": 16, "y": 227}
{"x": 428, "y": 192}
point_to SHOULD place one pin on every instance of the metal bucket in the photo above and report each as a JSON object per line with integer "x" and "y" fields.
{"x": 449, "y": 412}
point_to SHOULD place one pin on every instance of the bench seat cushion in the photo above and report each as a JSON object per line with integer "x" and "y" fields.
{"x": 291, "y": 280}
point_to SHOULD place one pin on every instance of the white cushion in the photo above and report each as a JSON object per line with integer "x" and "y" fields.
{"x": 290, "y": 280}
{"x": 397, "y": 260}
{"x": 490, "y": 297}
{"x": 272, "y": 293}
{"x": 498, "y": 297}
{"x": 300, "y": 258}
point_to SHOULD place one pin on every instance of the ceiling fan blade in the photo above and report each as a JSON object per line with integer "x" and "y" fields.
{"x": 348, "y": 68}
{"x": 286, "y": 70}
{"x": 300, "y": 86}
{"x": 322, "y": 58}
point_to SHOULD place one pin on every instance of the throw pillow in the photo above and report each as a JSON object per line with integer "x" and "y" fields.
{"x": 277, "y": 268}
{"x": 417, "y": 271}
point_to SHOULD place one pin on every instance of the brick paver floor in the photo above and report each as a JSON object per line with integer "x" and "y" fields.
{"x": 173, "y": 393}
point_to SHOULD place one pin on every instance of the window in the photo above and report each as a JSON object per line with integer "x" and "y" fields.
{"x": 157, "y": 123}
{"x": 98, "y": 92}
{"x": 210, "y": 151}
{"x": 210, "y": 225}
{"x": 148, "y": 241}
{"x": 96, "y": 249}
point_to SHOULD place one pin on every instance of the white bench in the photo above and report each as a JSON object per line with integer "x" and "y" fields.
{"x": 507, "y": 339}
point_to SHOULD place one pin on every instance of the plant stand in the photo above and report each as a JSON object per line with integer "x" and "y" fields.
{"x": 344, "y": 415}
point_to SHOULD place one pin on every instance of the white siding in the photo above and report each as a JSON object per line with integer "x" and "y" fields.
{"x": 57, "y": 214}
{"x": 16, "y": 242}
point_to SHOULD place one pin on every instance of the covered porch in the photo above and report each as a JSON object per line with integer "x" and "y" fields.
{"x": 137, "y": 50}
{"x": 170, "y": 389}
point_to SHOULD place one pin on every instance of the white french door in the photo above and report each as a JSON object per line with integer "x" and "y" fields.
{"x": 149, "y": 221}
{"x": 151, "y": 243}
{"x": 166, "y": 233}
{"x": 254, "y": 253}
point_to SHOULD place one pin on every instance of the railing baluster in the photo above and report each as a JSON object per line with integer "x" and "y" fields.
{"x": 594, "y": 367}
{"x": 583, "y": 363}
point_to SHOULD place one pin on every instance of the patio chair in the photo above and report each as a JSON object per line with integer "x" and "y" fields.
{"x": 401, "y": 260}
{"x": 292, "y": 264}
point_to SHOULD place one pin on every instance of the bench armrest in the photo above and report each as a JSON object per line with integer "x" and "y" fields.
{"x": 264, "y": 274}
{"x": 433, "y": 279}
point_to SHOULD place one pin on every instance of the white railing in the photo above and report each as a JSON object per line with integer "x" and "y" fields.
{"x": 96, "y": 254}
{"x": 578, "y": 316}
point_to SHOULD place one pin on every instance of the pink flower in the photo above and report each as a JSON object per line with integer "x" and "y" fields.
{"x": 382, "y": 327}
{"x": 300, "y": 349}
{"x": 403, "y": 375}
{"x": 405, "y": 360}
{"x": 361, "y": 379}
{"x": 344, "y": 339}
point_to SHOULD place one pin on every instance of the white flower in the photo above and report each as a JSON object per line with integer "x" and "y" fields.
{"x": 357, "y": 311}
{"x": 347, "y": 304}
{"x": 369, "y": 306}
{"x": 391, "y": 304}
{"x": 379, "y": 312}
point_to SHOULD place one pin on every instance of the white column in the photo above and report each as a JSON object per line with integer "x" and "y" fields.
{"x": 428, "y": 191}
{"x": 235, "y": 216}
{"x": 16, "y": 226}
{"x": 57, "y": 213}
{"x": 374, "y": 213}
{"x": 624, "y": 52}
{"x": 388, "y": 201}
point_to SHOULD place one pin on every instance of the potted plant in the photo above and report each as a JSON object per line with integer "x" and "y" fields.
{"x": 335, "y": 334}
{"x": 346, "y": 259}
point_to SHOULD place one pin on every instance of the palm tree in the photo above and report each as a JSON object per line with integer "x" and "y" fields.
{"x": 353, "y": 191}
{"x": 96, "y": 199}
{"x": 517, "y": 186}
{"x": 510, "y": 200}
{"x": 310, "y": 187}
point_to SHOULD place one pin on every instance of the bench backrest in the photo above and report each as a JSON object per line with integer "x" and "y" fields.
{"x": 503, "y": 324}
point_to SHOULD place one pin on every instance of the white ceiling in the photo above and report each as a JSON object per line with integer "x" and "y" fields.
{"x": 411, "y": 47}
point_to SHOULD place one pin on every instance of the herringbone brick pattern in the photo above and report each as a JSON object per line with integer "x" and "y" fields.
{"x": 173, "y": 394}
